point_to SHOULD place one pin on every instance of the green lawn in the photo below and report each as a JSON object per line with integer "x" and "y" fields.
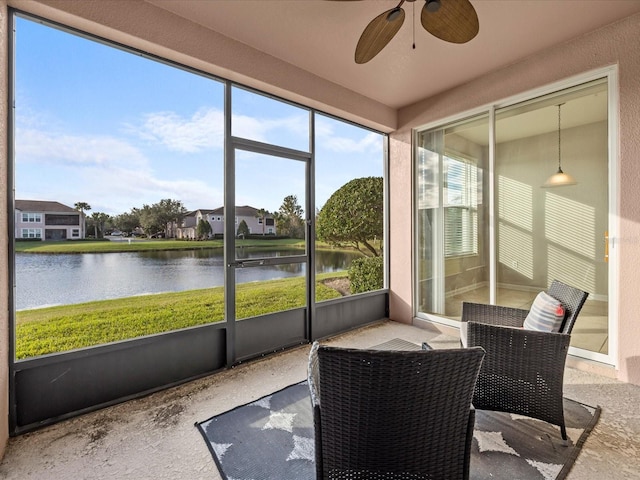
{"x": 57, "y": 329}
{"x": 138, "y": 245}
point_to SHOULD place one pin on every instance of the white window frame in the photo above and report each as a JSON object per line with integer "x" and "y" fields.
{"x": 467, "y": 243}
{"x": 31, "y": 217}
{"x": 31, "y": 233}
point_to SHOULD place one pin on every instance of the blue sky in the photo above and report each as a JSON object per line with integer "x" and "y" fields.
{"x": 99, "y": 125}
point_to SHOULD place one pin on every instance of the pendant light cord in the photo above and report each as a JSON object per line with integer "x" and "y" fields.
{"x": 559, "y": 140}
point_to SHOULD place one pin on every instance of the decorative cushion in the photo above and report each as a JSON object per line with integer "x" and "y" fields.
{"x": 546, "y": 314}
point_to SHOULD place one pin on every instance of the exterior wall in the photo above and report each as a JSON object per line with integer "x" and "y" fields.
{"x": 4, "y": 231}
{"x": 186, "y": 232}
{"x": 216, "y": 221}
{"x": 20, "y": 224}
{"x": 252, "y": 222}
{"x": 43, "y": 227}
{"x": 217, "y": 224}
{"x": 616, "y": 44}
{"x": 188, "y": 228}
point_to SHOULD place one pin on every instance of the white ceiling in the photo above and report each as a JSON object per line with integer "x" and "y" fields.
{"x": 320, "y": 36}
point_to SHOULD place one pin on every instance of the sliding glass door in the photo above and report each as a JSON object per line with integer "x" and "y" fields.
{"x": 453, "y": 257}
{"x": 545, "y": 233}
{"x": 491, "y": 230}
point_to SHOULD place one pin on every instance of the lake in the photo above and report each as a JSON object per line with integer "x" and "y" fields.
{"x": 57, "y": 279}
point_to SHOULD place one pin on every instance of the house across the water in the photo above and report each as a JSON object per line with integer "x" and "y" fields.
{"x": 47, "y": 221}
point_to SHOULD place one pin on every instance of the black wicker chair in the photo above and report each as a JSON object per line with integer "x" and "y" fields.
{"x": 523, "y": 371}
{"x": 393, "y": 414}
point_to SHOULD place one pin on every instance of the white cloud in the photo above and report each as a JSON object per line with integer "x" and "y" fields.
{"x": 250, "y": 127}
{"x": 203, "y": 130}
{"x": 115, "y": 174}
{"x": 124, "y": 189}
{"x": 47, "y": 147}
{"x": 271, "y": 129}
{"x": 326, "y": 137}
{"x": 369, "y": 143}
{"x": 110, "y": 174}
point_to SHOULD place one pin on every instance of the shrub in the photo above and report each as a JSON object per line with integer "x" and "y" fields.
{"x": 366, "y": 274}
{"x": 353, "y": 216}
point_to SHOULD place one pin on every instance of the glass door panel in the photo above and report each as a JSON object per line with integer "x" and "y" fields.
{"x": 452, "y": 217}
{"x": 269, "y": 266}
{"x": 543, "y": 233}
{"x": 264, "y": 119}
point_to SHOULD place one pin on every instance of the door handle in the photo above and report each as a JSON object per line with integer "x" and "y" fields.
{"x": 246, "y": 263}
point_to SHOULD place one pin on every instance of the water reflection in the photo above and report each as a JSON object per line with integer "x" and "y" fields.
{"x": 47, "y": 280}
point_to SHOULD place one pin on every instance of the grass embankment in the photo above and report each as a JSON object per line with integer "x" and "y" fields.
{"x": 140, "y": 245}
{"x": 67, "y": 327}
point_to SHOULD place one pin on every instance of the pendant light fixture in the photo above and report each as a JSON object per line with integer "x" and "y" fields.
{"x": 559, "y": 179}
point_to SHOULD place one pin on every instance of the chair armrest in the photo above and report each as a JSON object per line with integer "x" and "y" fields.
{"x": 467, "y": 453}
{"x": 313, "y": 375}
{"x": 313, "y": 381}
{"x": 519, "y": 345}
{"x": 520, "y": 355}
{"x": 493, "y": 314}
{"x": 522, "y": 372}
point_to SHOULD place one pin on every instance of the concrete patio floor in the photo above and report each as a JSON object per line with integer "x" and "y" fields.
{"x": 155, "y": 437}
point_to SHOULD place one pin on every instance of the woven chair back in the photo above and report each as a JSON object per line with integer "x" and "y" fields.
{"x": 396, "y": 414}
{"x": 572, "y": 298}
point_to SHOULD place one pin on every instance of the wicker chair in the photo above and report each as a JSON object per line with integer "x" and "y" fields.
{"x": 523, "y": 370}
{"x": 393, "y": 414}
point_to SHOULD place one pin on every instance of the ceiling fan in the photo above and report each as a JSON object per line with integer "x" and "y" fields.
{"x": 454, "y": 21}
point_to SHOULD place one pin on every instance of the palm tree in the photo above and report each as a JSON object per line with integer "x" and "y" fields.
{"x": 82, "y": 206}
{"x": 99, "y": 219}
{"x": 262, "y": 214}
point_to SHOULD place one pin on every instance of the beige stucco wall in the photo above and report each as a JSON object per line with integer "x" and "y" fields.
{"x": 617, "y": 44}
{"x": 4, "y": 269}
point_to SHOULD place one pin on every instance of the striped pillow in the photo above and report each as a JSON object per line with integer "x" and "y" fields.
{"x": 546, "y": 314}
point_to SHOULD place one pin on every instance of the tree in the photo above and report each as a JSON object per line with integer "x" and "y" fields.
{"x": 203, "y": 229}
{"x": 262, "y": 214}
{"x": 243, "y": 229}
{"x": 82, "y": 207}
{"x": 353, "y": 216}
{"x": 128, "y": 221}
{"x": 155, "y": 218}
{"x": 289, "y": 220}
{"x": 150, "y": 220}
{"x": 170, "y": 211}
{"x": 99, "y": 220}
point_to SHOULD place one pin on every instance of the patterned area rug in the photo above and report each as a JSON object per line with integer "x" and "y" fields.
{"x": 272, "y": 439}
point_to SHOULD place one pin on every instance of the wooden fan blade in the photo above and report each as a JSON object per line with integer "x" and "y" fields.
{"x": 456, "y": 21}
{"x": 378, "y": 33}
